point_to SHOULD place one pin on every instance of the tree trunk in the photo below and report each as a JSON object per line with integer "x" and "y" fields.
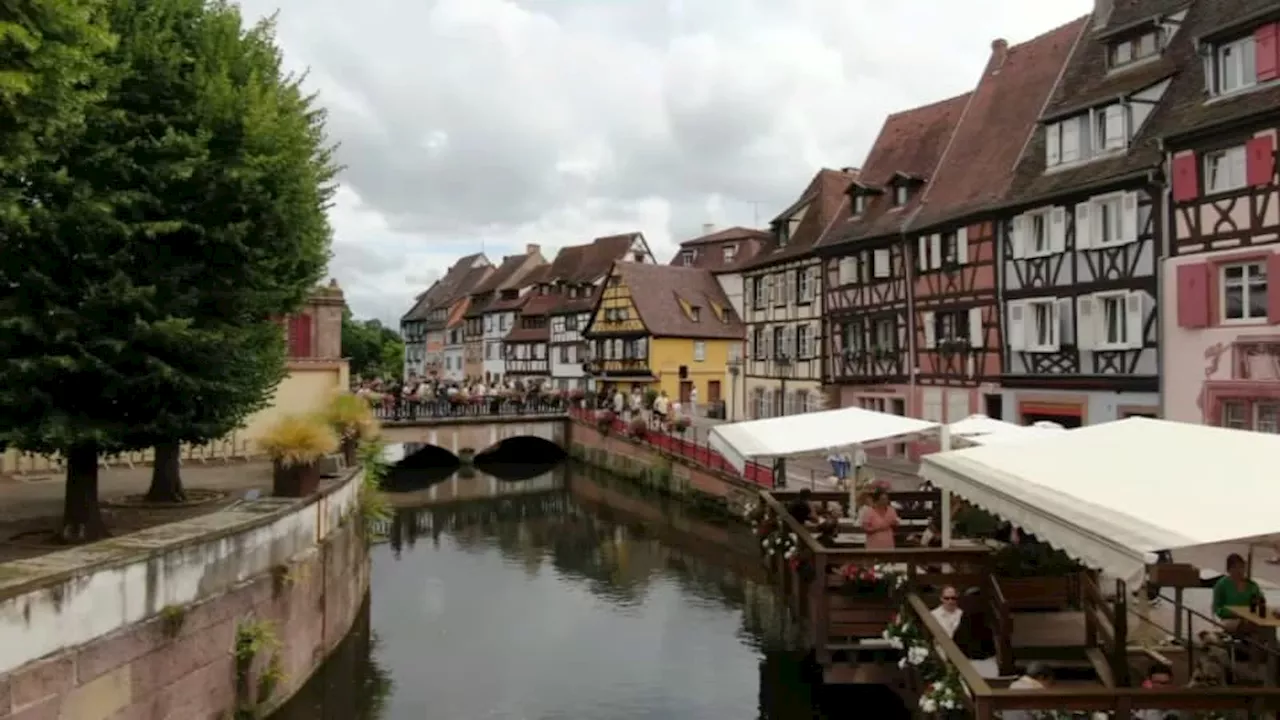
{"x": 81, "y": 515}
{"x": 166, "y": 474}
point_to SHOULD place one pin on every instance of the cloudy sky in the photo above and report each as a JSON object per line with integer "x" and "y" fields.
{"x": 470, "y": 124}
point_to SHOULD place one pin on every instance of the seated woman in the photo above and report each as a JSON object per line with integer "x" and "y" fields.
{"x": 1234, "y": 589}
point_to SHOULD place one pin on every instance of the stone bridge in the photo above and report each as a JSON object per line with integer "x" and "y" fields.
{"x": 471, "y": 435}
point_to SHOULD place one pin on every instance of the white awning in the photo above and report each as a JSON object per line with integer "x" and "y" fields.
{"x": 811, "y": 432}
{"x": 982, "y": 430}
{"x": 1112, "y": 495}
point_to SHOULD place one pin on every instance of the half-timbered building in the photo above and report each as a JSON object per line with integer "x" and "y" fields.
{"x": 579, "y": 272}
{"x": 1222, "y": 343}
{"x": 423, "y": 327}
{"x": 866, "y": 262}
{"x": 503, "y": 282}
{"x": 952, "y": 237}
{"x": 1079, "y": 239}
{"x": 524, "y": 348}
{"x": 783, "y": 302}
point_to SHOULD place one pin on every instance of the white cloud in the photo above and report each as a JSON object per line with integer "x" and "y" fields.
{"x": 496, "y": 123}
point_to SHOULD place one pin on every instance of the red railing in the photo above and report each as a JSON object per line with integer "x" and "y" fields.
{"x": 690, "y": 449}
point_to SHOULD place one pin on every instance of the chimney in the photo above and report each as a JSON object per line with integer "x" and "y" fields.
{"x": 1102, "y": 13}
{"x": 708, "y": 228}
{"x": 999, "y": 53}
{"x": 532, "y": 248}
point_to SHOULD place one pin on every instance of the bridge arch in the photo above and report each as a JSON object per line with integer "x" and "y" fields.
{"x": 521, "y": 450}
{"x": 469, "y": 436}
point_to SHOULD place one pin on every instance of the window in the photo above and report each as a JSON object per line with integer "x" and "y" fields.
{"x": 488, "y": 323}
{"x": 783, "y": 232}
{"x": 1134, "y": 49}
{"x": 1037, "y": 225}
{"x": 884, "y": 334}
{"x": 1225, "y": 170}
{"x": 780, "y": 349}
{"x": 695, "y": 313}
{"x": 761, "y": 293}
{"x": 880, "y": 263}
{"x": 1266, "y": 417}
{"x": 1108, "y": 223}
{"x": 1235, "y": 415}
{"x": 730, "y": 252}
{"x": 901, "y": 193}
{"x": 1115, "y": 327}
{"x": 950, "y": 250}
{"x": 1043, "y": 325}
{"x": 503, "y": 320}
{"x": 758, "y": 344}
{"x": 688, "y": 257}
{"x": 804, "y": 342}
{"x": 1109, "y": 128}
{"x": 564, "y": 354}
{"x": 804, "y": 286}
{"x": 699, "y": 350}
{"x": 859, "y": 204}
{"x": 847, "y": 271}
{"x": 488, "y": 351}
{"x": 1244, "y": 291}
{"x": 851, "y": 336}
{"x": 1063, "y": 144}
{"x": 951, "y": 328}
{"x": 1235, "y": 66}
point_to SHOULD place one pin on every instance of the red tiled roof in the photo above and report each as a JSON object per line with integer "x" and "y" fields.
{"x": 828, "y": 206}
{"x": 587, "y": 265}
{"x": 656, "y": 292}
{"x": 910, "y": 142}
{"x": 708, "y": 250}
{"x": 442, "y": 291}
{"x": 978, "y": 166}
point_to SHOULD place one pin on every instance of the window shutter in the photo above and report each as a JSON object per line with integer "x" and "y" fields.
{"x": 1193, "y": 295}
{"x": 751, "y": 345}
{"x": 300, "y": 336}
{"x": 789, "y": 342}
{"x": 768, "y": 343}
{"x": 881, "y": 267}
{"x": 977, "y": 333}
{"x": 1066, "y": 322}
{"x": 1017, "y": 326}
{"x": 935, "y": 249}
{"x": 1114, "y": 119}
{"x": 1057, "y": 229}
{"x": 1053, "y": 145}
{"x": 1129, "y": 217}
{"x": 1055, "y": 325}
{"x": 1134, "y": 321}
{"x": 1265, "y": 51}
{"x": 1084, "y": 226}
{"x": 927, "y": 319}
{"x": 1273, "y": 289}
{"x": 1185, "y": 169}
{"x": 922, "y": 253}
{"x": 1086, "y": 325}
{"x": 1260, "y": 160}
{"x": 962, "y": 244}
{"x": 1018, "y": 237}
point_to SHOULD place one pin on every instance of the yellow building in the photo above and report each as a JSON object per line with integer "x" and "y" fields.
{"x": 663, "y": 327}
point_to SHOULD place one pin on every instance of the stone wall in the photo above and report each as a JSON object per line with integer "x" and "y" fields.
{"x": 669, "y": 474}
{"x": 146, "y": 626}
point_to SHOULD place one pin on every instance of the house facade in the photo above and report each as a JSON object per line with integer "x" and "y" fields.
{"x": 782, "y": 303}
{"x": 866, "y": 262}
{"x": 579, "y": 272}
{"x": 524, "y": 348}
{"x": 724, "y": 253}
{"x": 423, "y": 327}
{"x": 1079, "y": 241}
{"x": 509, "y": 276}
{"x": 666, "y": 328}
{"x": 499, "y": 320}
{"x": 952, "y": 238}
{"x": 1222, "y": 319}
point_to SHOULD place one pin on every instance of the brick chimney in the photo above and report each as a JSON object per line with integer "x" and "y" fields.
{"x": 999, "y": 53}
{"x": 532, "y": 248}
{"x": 708, "y": 228}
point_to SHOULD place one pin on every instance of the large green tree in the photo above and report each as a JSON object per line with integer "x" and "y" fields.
{"x": 373, "y": 349}
{"x": 193, "y": 213}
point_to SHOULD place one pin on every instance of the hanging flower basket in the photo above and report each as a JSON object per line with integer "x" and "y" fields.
{"x": 870, "y": 581}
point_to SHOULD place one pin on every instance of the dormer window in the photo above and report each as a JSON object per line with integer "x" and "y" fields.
{"x": 688, "y": 257}
{"x": 1109, "y": 128}
{"x": 730, "y": 252}
{"x": 782, "y": 232}
{"x": 1135, "y": 49}
{"x": 695, "y": 313}
{"x": 1234, "y": 65}
{"x": 859, "y": 204}
{"x": 901, "y": 194}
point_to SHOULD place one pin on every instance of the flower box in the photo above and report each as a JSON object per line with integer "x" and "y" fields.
{"x": 298, "y": 480}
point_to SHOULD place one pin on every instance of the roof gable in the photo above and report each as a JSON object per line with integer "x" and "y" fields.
{"x": 664, "y": 297}
{"x": 821, "y": 206}
{"x": 978, "y": 165}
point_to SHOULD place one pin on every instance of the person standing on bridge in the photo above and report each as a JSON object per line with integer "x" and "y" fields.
{"x": 693, "y": 401}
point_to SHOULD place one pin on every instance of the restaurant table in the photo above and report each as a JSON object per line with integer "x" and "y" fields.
{"x": 1269, "y": 621}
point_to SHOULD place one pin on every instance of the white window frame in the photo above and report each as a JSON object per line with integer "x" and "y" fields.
{"x": 1032, "y": 325}
{"x": 1225, "y": 170}
{"x": 1032, "y": 249}
{"x": 804, "y": 286}
{"x": 760, "y": 293}
{"x": 687, "y": 257}
{"x": 1115, "y": 206}
{"x": 901, "y": 194}
{"x": 859, "y": 204}
{"x": 699, "y": 350}
{"x": 1064, "y": 146}
{"x": 1122, "y": 53}
{"x": 804, "y": 342}
{"x": 730, "y": 252}
{"x": 1239, "y": 59}
{"x": 1246, "y": 292}
{"x": 1100, "y": 302}
{"x": 1110, "y": 128}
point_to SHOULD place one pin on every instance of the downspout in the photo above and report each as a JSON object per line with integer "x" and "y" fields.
{"x": 1162, "y": 248}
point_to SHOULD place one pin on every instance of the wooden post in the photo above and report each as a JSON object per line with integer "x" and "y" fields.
{"x": 944, "y": 442}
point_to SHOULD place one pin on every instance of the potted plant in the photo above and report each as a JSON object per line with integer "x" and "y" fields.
{"x": 604, "y": 421}
{"x": 873, "y": 581}
{"x": 352, "y": 420}
{"x": 296, "y": 444}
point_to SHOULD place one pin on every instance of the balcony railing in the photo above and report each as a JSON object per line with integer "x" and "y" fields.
{"x": 525, "y": 366}
{"x": 628, "y": 367}
{"x": 405, "y": 410}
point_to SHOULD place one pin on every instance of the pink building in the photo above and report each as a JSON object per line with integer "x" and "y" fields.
{"x": 1221, "y": 322}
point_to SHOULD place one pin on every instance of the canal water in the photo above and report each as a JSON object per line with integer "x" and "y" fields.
{"x": 565, "y": 595}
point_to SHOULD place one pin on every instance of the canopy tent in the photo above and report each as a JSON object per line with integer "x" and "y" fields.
{"x": 1113, "y": 495}
{"x": 791, "y": 435}
{"x": 982, "y": 430}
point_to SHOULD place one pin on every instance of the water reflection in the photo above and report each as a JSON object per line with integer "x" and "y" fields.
{"x": 571, "y": 596}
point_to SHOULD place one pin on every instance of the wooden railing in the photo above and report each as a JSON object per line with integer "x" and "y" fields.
{"x": 1106, "y": 625}
{"x": 1001, "y": 624}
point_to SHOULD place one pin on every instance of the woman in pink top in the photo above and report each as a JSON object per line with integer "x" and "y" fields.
{"x": 879, "y": 521}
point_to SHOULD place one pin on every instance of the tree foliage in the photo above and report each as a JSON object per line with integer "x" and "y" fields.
{"x": 373, "y": 349}
{"x": 193, "y": 214}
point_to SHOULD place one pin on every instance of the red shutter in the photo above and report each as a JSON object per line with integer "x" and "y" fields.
{"x": 1260, "y": 160}
{"x": 1193, "y": 295}
{"x": 1186, "y": 176}
{"x": 1273, "y": 297}
{"x": 1265, "y": 51}
{"x": 299, "y": 336}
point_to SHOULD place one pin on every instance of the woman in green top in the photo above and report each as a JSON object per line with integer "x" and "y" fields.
{"x": 1234, "y": 588}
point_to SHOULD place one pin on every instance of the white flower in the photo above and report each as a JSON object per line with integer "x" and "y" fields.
{"x": 794, "y": 538}
{"x": 928, "y": 705}
{"x": 917, "y": 654}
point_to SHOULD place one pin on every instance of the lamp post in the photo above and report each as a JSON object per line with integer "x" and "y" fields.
{"x": 735, "y": 368}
